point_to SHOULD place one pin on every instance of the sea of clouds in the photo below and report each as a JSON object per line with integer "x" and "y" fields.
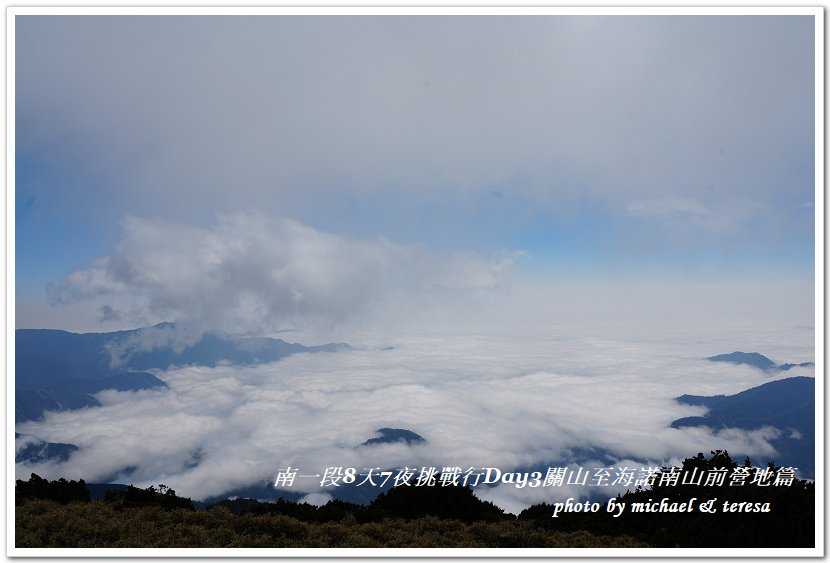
{"x": 482, "y": 398}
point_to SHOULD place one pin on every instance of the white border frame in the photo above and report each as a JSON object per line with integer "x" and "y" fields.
{"x": 816, "y": 12}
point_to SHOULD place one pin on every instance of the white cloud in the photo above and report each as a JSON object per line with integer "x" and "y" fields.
{"x": 482, "y": 398}
{"x": 688, "y": 216}
{"x": 249, "y": 273}
{"x": 559, "y": 111}
{"x": 666, "y": 208}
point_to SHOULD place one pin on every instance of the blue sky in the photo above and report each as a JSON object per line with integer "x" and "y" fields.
{"x": 543, "y": 148}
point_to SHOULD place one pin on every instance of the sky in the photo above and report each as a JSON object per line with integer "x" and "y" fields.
{"x": 483, "y": 152}
{"x": 551, "y": 219}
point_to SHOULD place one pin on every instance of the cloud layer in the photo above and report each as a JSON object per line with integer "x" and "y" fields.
{"x": 480, "y": 399}
{"x": 248, "y": 273}
{"x": 380, "y": 125}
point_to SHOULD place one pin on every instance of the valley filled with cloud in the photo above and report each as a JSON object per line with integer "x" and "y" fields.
{"x": 489, "y": 397}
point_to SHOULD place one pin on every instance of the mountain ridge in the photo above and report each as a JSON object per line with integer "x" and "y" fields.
{"x": 786, "y": 404}
{"x": 61, "y": 370}
{"x": 757, "y": 360}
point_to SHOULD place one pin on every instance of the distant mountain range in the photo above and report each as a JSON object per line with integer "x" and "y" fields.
{"x": 757, "y": 360}
{"x": 787, "y": 404}
{"x": 58, "y": 370}
{"x": 75, "y": 393}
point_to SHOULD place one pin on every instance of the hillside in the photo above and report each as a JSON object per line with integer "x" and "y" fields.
{"x": 59, "y": 370}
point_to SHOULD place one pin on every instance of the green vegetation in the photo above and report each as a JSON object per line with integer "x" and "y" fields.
{"x": 44, "y": 523}
{"x": 135, "y": 497}
{"x": 790, "y": 521}
{"x": 60, "y": 514}
{"x": 61, "y": 491}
